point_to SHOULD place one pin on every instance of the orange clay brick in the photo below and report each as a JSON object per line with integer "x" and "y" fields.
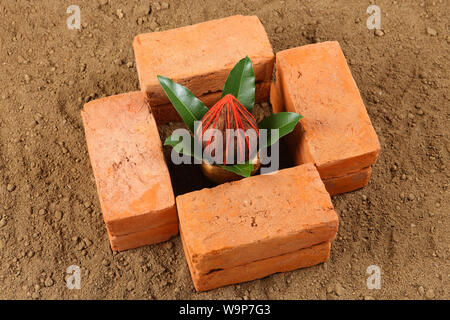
{"x": 256, "y": 218}
{"x": 335, "y": 185}
{"x": 132, "y": 178}
{"x": 166, "y": 113}
{"x": 143, "y": 238}
{"x": 336, "y": 133}
{"x": 258, "y": 269}
{"x": 348, "y": 182}
{"x": 200, "y": 56}
{"x": 275, "y": 99}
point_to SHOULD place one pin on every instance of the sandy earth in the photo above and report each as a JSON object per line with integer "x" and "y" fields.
{"x": 49, "y": 211}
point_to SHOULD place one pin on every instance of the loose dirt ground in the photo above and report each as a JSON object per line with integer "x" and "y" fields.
{"x": 50, "y": 216}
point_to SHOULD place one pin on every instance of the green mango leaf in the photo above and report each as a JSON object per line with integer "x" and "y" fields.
{"x": 243, "y": 170}
{"x": 187, "y": 105}
{"x": 285, "y": 122}
{"x": 241, "y": 83}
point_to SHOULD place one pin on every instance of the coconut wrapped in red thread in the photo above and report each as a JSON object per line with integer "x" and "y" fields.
{"x": 234, "y": 133}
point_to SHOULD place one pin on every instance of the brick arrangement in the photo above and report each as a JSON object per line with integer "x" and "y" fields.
{"x": 257, "y": 226}
{"x": 244, "y": 223}
{"x": 336, "y": 133}
{"x": 132, "y": 178}
{"x": 200, "y": 57}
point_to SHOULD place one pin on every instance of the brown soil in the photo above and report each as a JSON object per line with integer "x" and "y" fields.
{"x": 49, "y": 211}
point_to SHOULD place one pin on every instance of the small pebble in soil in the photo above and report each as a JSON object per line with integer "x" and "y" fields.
{"x": 421, "y": 290}
{"x": 153, "y": 25}
{"x": 168, "y": 245}
{"x": 379, "y": 33}
{"x": 142, "y": 10}
{"x": 58, "y": 215}
{"x": 10, "y": 187}
{"x": 156, "y": 6}
{"x": 432, "y": 32}
{"x": 430, "y": 294}
{"x": 21, "y": 60}
{"x": 339, "y": 289}
{"x": 48, "y": 282}
{"x": 279, "y": 29}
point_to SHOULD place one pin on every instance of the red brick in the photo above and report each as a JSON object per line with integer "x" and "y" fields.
{"x": 142, "y": 238}
{"x": 275, "y": 100}
{"x": 348, "y": 182}
{"x": 258, "y": 269}
{"x": 336, "y": 133}
{"x": 132, "y": 178}
{"x": 256, "y": 218}
{"x": 200, "y": 56}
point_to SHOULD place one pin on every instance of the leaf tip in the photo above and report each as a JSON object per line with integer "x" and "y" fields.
{"x": 162, "y": 78}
